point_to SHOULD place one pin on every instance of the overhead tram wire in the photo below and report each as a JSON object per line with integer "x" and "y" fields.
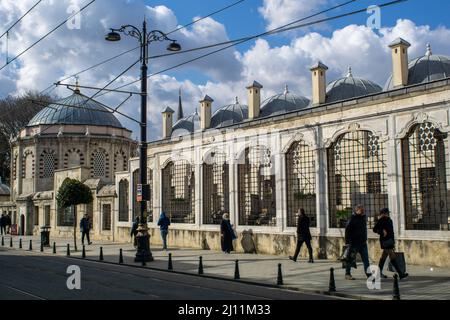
{"x": 20, "y": 19}
{"x": 271, "y": 32}
{"x": 135, "y": 48}
{"x": 46, "y": 35}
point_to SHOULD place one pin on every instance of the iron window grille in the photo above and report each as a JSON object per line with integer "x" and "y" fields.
{"x": 356, "y": 175}
{"x": 124, "y": 197}
{"x": 106, "y": 213}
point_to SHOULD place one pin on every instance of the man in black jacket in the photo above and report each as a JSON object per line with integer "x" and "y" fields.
{"x": 356, "y": 238}
{"x": 385, "y": 228}
{"x": 303, "y": 235}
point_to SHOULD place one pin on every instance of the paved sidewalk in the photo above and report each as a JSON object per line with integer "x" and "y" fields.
{"x": 424, "y": 283}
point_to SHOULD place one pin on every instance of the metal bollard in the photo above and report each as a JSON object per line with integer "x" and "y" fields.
{"x": 332, "y": 284}
{"x": 20, "y": 243}
{"x": 3, "y": 241}
{"x": 280, "y": 276}
{"x": 83, "y": 254}
{"x": 143, "y": 263}
{"x": 68, "y": 250}
{"x": 170, "y": 266}
{"x": 101, "y": 254}
{"x": 237, "y": 276}
{"x": 200, "y": 266}
{"x": 31, "y": 245}
{"x": 396, "y": 295}
{"x": 10, "y": 243}
{"x": 120, "y": 257}
{"x": 42, "y": 247}
{"x": 54, "y": 247}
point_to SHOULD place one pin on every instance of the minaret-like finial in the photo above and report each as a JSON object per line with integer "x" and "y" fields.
{"x": 429, "y": 52}
{"x": 237, "y": 100}
{"x": 77, "y": 84}
{"x": 286, "y": 89}
{"x": 349, "y": 74}
{"x": 180, "y": 106}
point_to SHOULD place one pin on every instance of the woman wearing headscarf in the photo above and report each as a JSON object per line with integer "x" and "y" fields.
{"x": 227, "y": 234}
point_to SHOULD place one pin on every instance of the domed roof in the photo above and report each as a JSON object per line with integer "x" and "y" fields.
{"x": 425, "y": 69}
{"x": 76, "y": 109}
{"x": 283, "y": 103}
{"x": 4, "y": 189}
{"x": 350, "y": 87}
{"x": 228, "y": 115}
{"x": 186, "y": 125}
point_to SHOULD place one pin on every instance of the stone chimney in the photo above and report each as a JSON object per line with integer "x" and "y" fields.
{"x": 254, "y": 100}
{"x": 400, "y": 69}
{"x": 319, "y": 83}
{"x": 205, "y": 112}
{"x": 167, "y": 122}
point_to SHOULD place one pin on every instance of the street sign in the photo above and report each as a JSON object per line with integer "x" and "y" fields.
{"x": 143, "y": 192}
{"x": 139, "y": 193}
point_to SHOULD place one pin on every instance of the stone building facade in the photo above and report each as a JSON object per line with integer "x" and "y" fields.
{"x": 353, "y": 143}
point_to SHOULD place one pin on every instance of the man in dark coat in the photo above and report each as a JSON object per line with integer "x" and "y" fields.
{"x": 356, "y": 238}
{"x": 227, "y": 234}
{"x": 385, "y": 228}
{"x": 303, "y": 236}
{"x": 164, "y": 223}
{"x": 3, "y": 224}
{"x": 85, "y": 227}
{"x": 8, "y": 222}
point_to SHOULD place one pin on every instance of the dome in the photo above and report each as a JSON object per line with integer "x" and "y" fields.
{"x": 283, "y": 103}
{"x": 350, "y": 87}
{"x": 74, "y": 110}
{"x": 186, "y": 125}
{"x": 425, "y": 69}
{"x": 229, "y": 115}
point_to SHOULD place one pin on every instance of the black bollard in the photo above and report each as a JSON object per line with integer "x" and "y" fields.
{"x": 101, "y": 254}
{"x": 170, "y": 266}
{"x": 280, "y": 276}
{"x": 68, "y": 250}
{"x": 20, "y": 243}
{"x": 237, "y": 276}
{"x": 54, "y": 247}
{"x": 200, "y": 266}
{"x": 10, "y": 243}
{"x": 120, "y": 257}
{"x": 143, "y": 263}
{"x": 332, "y": 284}
{"x": 83, "y": 253}
{"x": 42, "y": 247}
{"x": 3, "y": 241}
{"x": 396, "y": 295}
{"x": 31, "y": 245}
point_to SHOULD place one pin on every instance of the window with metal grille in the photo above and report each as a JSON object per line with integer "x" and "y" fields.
{"x": 99, "y": 164}
{"x": 426, "y": 178}
{"x": 66, "y": 217}
{"x": 48, "y": 164}
{"x": 178, "y": 191}
{"x": 123, "y": 200}
{"x": 106, "y": 213}
{"x": 47, "y": 215}
{"x": 301, "y": 183}
{"x": 215, "y": 188}
{"x": 356, "y": 175}
{"x": 36, "y": 216}
{"x": 257, "y": 204}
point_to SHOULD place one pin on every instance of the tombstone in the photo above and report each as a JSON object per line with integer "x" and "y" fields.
{"x": 247, "y": 242}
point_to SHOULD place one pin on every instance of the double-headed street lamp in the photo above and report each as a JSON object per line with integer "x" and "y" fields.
{"x": 145, "y": 38}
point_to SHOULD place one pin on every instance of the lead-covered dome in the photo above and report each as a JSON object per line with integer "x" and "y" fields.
{"x": 186, "y": 125}
{"x": 229, "y": 115}
{"x": 427, "y": 68}
{"x": 76, "y": 109}
{"x": 350, "y": 87}
{"x": 283, "y": 103}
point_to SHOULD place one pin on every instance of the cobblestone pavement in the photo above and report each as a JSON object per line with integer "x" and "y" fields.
{"x": 423, "y": 283}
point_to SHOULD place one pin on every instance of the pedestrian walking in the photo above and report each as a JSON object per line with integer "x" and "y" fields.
{"x": 85, "y": 227}
{"x": 134, "y": 231}
{"x": 8, "y": 223}
{"x": 3, "y": 224}
{"x": 385, "y": 228}
{"x": 356, "y": 239}
{"x": 303, "y": 236}
{"x": 227, "y": 234}
{"x": 164, "y": 223}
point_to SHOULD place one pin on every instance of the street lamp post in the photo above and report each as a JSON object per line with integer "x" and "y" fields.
{"x": 145, "y": 38}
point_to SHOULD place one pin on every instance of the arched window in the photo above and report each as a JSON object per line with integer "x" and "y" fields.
{"x": 257, "y": 205}
{"x": 73, "y": 158}
{"x": 28, "y": 165}
{"x": 215, "y": 188}
{"x": 120, "y": 161}
{"x": 356, "y": 175}
{"x": 47, "y": 164}
{"x": 99, "y": 164}
{"x": 124, "y": 200}
{"x": 178, "y": 190}
{"x": 426, "y": 178}
{"x": 301, "y": 183}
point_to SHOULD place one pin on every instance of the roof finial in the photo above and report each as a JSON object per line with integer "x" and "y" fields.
{"x": 180, "y": 106}
{"x": 349, "y": 74}
{"x": 237, "y": 100}
{"x": 286, "y": 89}
{"x": 77, "y": 84}
{"x": 429, "y": 52}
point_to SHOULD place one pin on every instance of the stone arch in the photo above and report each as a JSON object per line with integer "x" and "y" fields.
{"x": 354, "y": 127}
{"x": 73, "y": 158}
{"x": 28, "y": 165}
{"x": 99, "y": 163}
{"x": 48, "y": 162}
{"x": 14, "y": 166}
{"x": 120, "y": 161}
{"x": 419, "y": 118}
{"x": 124, "y": 198}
